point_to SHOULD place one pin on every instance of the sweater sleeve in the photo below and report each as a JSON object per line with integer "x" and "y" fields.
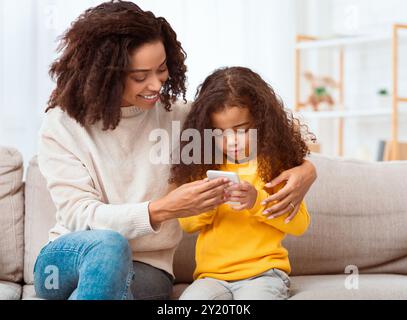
{"x": 198, "y": 222}
{"x": 297, "y": 226}
{"x": 78, "y": 203}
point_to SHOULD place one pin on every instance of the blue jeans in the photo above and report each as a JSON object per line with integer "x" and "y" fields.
{"x": 96, "y": 265}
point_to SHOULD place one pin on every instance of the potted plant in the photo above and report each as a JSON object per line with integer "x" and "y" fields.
{"x": 383, "y": 98}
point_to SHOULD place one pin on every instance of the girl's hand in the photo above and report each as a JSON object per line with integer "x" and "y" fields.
{"x": 243, "y": 192}
{"x": 188, "y": 200}
{"x": 288, "y": 199}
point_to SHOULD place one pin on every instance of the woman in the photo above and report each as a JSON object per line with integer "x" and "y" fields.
{"x": 118, "y": 78}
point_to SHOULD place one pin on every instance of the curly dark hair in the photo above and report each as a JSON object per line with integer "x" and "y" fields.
{"x": 281, "y": 138}
{"x": 95, "y": 61}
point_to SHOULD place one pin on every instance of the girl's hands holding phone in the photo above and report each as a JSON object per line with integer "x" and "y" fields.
{"x": 242, "y": 192}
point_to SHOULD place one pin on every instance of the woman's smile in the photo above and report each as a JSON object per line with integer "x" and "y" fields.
{"x": 150, "y": 98}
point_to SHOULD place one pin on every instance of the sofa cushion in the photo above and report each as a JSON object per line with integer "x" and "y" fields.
{"x": 184, "y": 258}
{"x": 10, "y": 291}
{"x": 358, "y": 217}
{"x": 332, "y": 287}
{"x": 324, "y": 287}
{"x": 39, "y": 217}
{"x": 29, "y": 293}
{"x": 11, "y": 215}
{"x": 178, "y": 289}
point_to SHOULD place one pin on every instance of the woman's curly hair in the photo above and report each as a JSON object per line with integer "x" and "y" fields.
{"x": 95, "y": 61}
{"x": 281, "y": 138}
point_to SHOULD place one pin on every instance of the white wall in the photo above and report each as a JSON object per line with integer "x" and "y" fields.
{"x": 256, "y": 33}
{"x": 28, "y": 33}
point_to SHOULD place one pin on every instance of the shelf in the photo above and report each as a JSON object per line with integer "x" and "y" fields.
{"x": 392, "y": 41}
{"x": 344, "y": 114}
{"x": 343, "y": 41}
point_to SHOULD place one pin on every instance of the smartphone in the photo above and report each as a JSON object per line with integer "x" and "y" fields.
{"x": 232, "y": 176}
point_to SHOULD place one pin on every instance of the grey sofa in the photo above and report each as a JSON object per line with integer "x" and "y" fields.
{"x": 359, "y": 225}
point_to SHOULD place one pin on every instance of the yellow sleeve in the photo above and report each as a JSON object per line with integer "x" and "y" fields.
{"x": 198, "y": 222}
{"x": 297, "y": 226}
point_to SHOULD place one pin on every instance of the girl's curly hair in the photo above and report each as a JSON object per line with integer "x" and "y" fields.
{"x": 95, "y": 61}
{"x": 281, "y": 139}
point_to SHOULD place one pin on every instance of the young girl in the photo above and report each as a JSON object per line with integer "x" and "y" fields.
{"x": 239, "y": 254}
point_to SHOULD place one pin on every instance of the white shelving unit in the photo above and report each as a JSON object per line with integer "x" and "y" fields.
{"x": 343, "y": 41}
{"x": 353, "y": 113}
{"x": 305, "y": 42}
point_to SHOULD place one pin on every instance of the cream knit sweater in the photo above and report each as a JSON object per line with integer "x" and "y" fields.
{"x": 105, "y": 180}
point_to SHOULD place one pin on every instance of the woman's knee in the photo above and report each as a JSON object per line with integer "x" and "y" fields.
{"x": 112, "y": 239}
{"x": 110, "y": 244}
{"x": 55, "y": 274}
{"x": 109, "y": 259}
{"x": 85, "y": 254}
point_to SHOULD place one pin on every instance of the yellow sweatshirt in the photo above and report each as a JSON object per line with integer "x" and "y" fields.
{"x": 235, "y": 245}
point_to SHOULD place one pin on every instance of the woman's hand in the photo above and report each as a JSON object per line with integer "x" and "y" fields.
{"x": 288, "y": 199}
{"x": 243, "y": 192}
{"x": 188, "y": 200}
